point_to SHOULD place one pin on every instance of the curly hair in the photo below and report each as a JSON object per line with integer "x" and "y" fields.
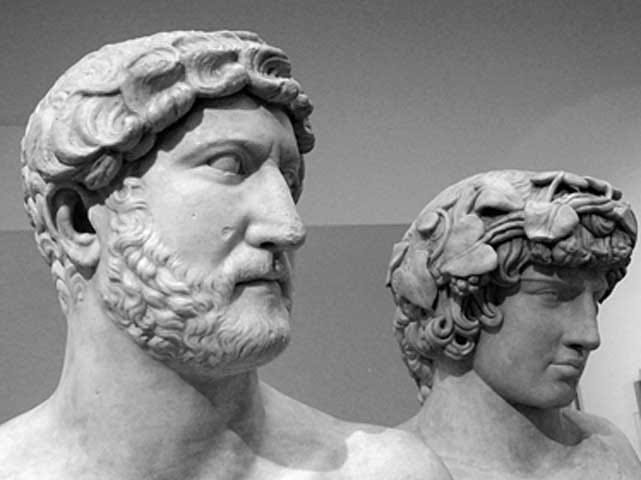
{"x": 469, "y": 246}
{"x": 106, "y": 111}
{"x": 175, "y": 314}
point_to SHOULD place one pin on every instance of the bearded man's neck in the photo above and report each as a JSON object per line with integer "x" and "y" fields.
{"x": 118, "y": 400}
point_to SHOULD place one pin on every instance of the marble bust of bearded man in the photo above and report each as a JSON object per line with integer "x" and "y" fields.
{"x": 161, "y": 177}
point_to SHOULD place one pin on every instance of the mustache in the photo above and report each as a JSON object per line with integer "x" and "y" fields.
{"x": 274, "y": 267}
{"x": 265, "y": 266}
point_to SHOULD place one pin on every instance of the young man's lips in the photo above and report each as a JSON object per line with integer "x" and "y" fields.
{"x": 571, "y": 365}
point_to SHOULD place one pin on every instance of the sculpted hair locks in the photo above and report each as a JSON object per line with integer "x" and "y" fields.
{"x": 469, "y": 246}
{"x": 105, "y": 113}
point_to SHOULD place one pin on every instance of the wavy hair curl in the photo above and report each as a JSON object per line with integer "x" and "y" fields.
{"x": 106, "y": 111}
{"x": 468, "y": 247}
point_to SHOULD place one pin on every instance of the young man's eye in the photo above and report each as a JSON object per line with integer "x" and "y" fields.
{"x": 227, "y": 163}
{"x": 559, "y": 295}
{"x": 550, "y": 296}
{"x": 291, "y": 178}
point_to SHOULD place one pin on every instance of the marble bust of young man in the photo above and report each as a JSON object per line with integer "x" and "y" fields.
{"x": 497, "y": 285}
{"x": 161, "y": 176}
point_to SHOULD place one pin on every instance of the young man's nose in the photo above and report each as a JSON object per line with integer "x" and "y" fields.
{"x": 274, "y": 222}
{"x": 583, "y": 332}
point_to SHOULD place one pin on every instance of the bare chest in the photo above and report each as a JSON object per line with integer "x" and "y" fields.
{"x": 593, "y": 459}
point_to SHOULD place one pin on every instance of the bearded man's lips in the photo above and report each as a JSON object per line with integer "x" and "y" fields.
{"x": 260, "y": 282}
{"x": 274, "y": 276}
{"x": 275, "y": 282}
{"x": 270, "y": 290}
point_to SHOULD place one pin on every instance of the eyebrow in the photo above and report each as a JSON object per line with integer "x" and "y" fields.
{"x": 553, "y": 281}
{"x": 249, "y": 145}
{"x": 244, "y": 142}
{"x": 600, "y": 285}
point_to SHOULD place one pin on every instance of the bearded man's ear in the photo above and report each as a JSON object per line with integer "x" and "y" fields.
{"x": 70, "y": 212}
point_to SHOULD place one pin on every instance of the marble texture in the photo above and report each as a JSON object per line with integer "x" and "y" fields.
{"x": 161, "y": 176}
{"x": 497, "y": 285}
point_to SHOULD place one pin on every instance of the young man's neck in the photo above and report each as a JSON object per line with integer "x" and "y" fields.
{"x": 465, "y": 421}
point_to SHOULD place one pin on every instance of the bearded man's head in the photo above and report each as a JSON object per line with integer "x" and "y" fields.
{"x": 90, "y": 141}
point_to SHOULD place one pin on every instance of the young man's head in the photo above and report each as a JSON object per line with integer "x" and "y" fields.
{"x": 162, "y": 173}
{"x": 502, "y": 273}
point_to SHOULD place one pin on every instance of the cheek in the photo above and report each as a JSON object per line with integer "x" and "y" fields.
{"x": 507, "y": 366}
{"x": 500, "y": 362}
{"x": 530, "y": 327}
{"x": 201, "y": 227}
{"x": 522, "y": 345}
{"x": 514, "y": 360}
{"x": 206, "y": 233}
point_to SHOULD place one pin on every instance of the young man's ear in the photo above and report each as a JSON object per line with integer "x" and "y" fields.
{"x": 76, "y": 232}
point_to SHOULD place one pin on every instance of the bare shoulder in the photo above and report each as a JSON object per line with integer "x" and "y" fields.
{"x": 26, "y": 449}
{"x": 390, "y": 454}
{"x": 306, "y": 438}
{"x": 595, "y": 425}
{"x": 606, "y": 433}
{"x": 14, "y": 447}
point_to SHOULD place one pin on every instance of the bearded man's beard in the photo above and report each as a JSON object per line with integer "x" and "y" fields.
{"x": 179, "y": 316}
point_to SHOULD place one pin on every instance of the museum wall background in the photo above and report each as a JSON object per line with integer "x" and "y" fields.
{"x": 410, "y": 96}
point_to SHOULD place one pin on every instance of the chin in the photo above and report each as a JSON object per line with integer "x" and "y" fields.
{"x": 242, "y": 341}
{"x": 559, "y": 397}
{"x": 563, "y": 399}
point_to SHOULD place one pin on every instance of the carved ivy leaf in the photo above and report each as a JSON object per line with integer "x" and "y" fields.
{"x": 626, "y": 217}
{"x": 398, "y": 253}
{"x": 549, "y": 221}
{"x": 465, "y": 254}
{"x": 477, "y": 260}
{"x": 414, "y": 281}
{"x": 499, "y": 195}
{"x": 426, "y": 223}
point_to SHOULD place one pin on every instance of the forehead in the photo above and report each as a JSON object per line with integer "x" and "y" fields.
{"x": 239, "y": 117}
{"x": 579, "y": 276}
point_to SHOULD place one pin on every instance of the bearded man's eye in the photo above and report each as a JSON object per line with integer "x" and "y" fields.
{"x": 550, "y": 297}
{"x": 227, "y": 163}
